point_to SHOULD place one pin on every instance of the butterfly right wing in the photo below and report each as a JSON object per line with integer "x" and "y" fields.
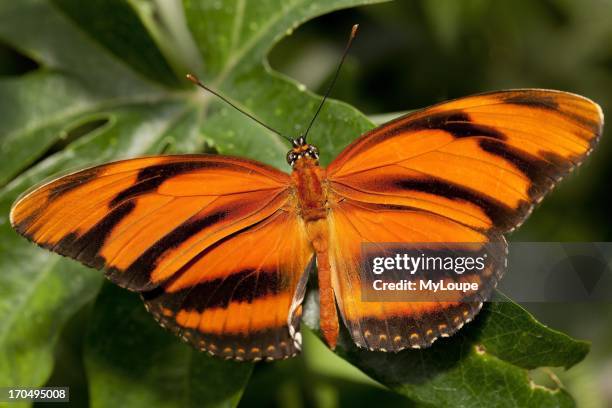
{"x": 241, "y": 297}
{"x": 395, "y": 324}
{"x": 213, "y": 244}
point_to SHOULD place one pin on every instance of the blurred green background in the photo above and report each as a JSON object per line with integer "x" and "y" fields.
{"x": 410, "y": 54}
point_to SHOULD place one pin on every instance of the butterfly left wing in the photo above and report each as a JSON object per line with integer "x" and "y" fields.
{"x": 483, "y": 160}
{"x": 213, "y": 244}
{"x": 467, "y": 170}
{"x": 393, "y": 325}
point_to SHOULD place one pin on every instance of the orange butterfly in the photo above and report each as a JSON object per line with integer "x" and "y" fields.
{"x": 220, "y": 247}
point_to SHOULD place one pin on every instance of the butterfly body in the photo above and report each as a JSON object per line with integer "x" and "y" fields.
{"x": 175, "y": 228}
{"x": 309, "y": 180}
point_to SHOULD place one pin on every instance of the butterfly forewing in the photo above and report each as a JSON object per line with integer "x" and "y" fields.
{"x": 484, "y": 159}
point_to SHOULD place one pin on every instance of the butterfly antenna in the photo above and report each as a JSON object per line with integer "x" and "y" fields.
{"x": 196, "y": 81}
{"x": 333, "y": 82}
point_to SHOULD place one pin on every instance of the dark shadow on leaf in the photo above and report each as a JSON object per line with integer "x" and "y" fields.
{"x": 127, "y": 349}
{"x": 208, "y": 148}
{"x": 69, "y": 367}
{"x": 14, "y": 63}
{"x": 80, "y": 130}
{"x": 116, "y": 26}
{"x": 291, "y": 383}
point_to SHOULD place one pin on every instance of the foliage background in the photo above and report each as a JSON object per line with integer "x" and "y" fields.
{"x": 409, "y": 54}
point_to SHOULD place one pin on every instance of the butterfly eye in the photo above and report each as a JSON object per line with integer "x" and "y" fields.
{"x": 313, "y": 151}
{"x": 291, "y": 157}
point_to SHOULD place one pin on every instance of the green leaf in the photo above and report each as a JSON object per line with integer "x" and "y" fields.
{"x": 125, "y": 36}
{"x": 31, "y": 318}
{"x": 234, "y": 38}
{"x": 76, "y": 78}
{"x": 132, "y": 363}
{"x": 484, "y": 364}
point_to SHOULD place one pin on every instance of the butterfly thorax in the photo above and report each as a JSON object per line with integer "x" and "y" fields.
{"x": 309, "y": 183}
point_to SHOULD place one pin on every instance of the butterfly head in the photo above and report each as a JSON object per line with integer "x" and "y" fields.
{"x": 300, "y": 150}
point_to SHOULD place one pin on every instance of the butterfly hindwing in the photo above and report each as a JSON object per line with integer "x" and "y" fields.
{"x": 240, "y": 298}
{"x": 393, "y": 325}
{"x": 463, "y": 170}
{"x": 213, "y": 244}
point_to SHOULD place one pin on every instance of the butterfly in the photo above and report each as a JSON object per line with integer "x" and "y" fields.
{"x": 221, "y": 248}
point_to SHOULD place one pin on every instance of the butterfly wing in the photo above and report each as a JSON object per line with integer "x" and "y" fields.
{"x": 392, "y": 324}
{"x": 463, "y": 171}
{"x": 247, "y": 304}
{"x": 213, "y": 244}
